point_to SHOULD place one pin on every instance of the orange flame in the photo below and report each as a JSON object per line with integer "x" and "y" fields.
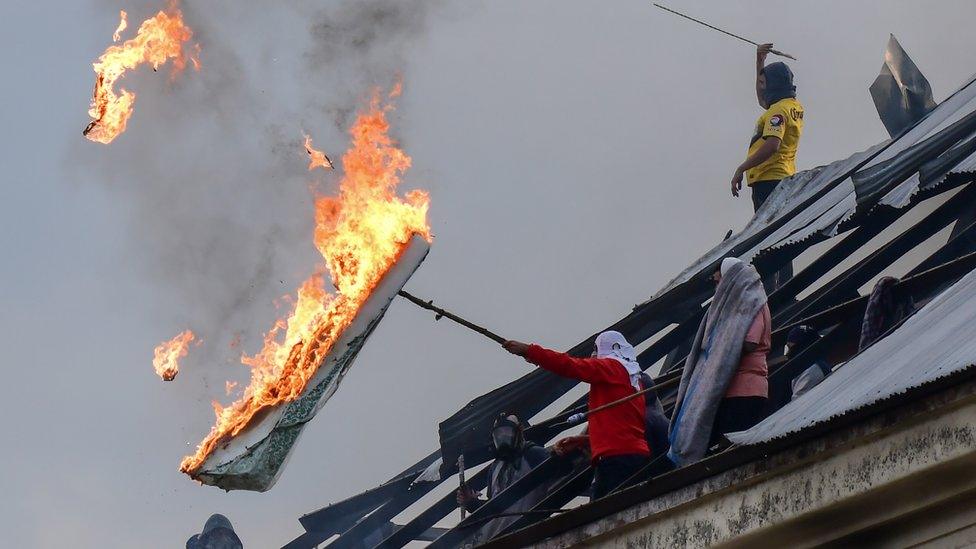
{"x": 318, "y": 158}
{"x": 159, "y": 39}
{"x": 167, "y": 354}
{"x": 123, "y": 23}
{"x": 397, "y": 88}
{"x": 360, "y": 233}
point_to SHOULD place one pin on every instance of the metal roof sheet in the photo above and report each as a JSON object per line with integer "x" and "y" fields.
{"x": 935, "y": 342}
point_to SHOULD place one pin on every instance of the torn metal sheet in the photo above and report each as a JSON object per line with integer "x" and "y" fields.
{"x": 960, "y": 159}
{"x": 254, "y": 459}
{"x": 786, "y": 200}
{"x": 901, "y": 93}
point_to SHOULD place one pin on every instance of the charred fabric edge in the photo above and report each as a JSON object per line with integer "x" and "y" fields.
{"x": 258, "y": 467}
{"x": 249, "y": 470}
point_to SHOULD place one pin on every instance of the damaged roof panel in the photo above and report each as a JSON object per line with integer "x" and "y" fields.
{"x": 786, "y": 200}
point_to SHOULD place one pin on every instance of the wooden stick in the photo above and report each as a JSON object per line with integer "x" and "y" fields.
{"x": 713, "y": 27}
{"x": 429, "y": 305}
{"x": 460, "y": 464}
{"x": 665, "y": 385}
{"x": 563, "y": 418}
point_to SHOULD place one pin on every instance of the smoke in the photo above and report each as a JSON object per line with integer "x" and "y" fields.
{"x": 210, "y": 175}
{"x": 362, "y": 43}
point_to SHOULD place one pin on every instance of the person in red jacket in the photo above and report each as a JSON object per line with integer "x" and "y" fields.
{"x": 616, "y": 435}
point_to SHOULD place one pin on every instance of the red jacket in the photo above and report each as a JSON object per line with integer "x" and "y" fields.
{"x": 615, "y": 431}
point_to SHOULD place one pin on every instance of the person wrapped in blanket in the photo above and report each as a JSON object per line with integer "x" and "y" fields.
{"x": 724, "y": 385}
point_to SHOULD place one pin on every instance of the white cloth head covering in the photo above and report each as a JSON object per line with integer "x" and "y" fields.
{"x": 727, "y": 264}
{"x": 611, "y": 344}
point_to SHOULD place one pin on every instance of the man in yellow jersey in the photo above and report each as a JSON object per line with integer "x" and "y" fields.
{"x": 772, "y": 150}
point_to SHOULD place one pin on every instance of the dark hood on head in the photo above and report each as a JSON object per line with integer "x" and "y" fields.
{"x": 779, "y": 82}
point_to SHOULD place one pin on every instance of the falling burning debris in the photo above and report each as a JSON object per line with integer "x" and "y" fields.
{"x": 318, "y": 158}
{"x": 160, "y": 38}
{"x": 123, "y": 23}
{"x": 361, "y": 234}
{"x": 397, "y": 88}
{"x": 167, "y": 354}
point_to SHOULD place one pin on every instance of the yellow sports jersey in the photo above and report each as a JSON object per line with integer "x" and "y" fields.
{"x": 784, "y": 119}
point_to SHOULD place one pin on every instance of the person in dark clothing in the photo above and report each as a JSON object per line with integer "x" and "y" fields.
{"x": 885, "y": 309}
{"x": 218, "y": 533}
{"x": 737, "y": 414}
{"x": 514, "y": 458}
{"x": 616, "y": 434}
{"x": 612, "y": 471}
{"x": 798, "y": 340}
{"x": 655, "y": 422}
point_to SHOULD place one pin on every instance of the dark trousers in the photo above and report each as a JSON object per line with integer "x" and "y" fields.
{"x": 771, "y": 281}
{"x": 761, "y": 191}
{"x": 612, "y": 471}
{"x": 737, "y": 414}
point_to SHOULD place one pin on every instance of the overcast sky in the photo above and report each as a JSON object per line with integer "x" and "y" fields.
{"x": 577, "y": 155}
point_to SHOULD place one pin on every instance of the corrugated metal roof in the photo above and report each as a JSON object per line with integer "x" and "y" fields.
{"x": 787, "y": 197}
{"x": 935, "y": 342}
{"x": 900, "y": 196}
{"x": 966, "y": 166}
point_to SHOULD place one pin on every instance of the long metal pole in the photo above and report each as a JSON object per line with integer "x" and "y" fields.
{"x": 723, "y": 31}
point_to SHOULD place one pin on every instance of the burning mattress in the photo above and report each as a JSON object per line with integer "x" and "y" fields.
{"x": 254, "y": 458}
{"x": 371, "y": 240}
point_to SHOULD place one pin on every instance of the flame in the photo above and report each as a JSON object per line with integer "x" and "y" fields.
{"x": 360, "y": 233}
{"x": 397, "y": 88}
{"x": 318, "y": 158}
{"x": 167, "y": 354}
{"x": 159, "y": 39}
{"x": 123, "y": 23}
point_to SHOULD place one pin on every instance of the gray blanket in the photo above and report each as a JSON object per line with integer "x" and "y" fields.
{"x": 713, "y": 360}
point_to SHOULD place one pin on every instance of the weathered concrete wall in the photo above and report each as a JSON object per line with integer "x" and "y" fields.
{"x": 850, "y": 481}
